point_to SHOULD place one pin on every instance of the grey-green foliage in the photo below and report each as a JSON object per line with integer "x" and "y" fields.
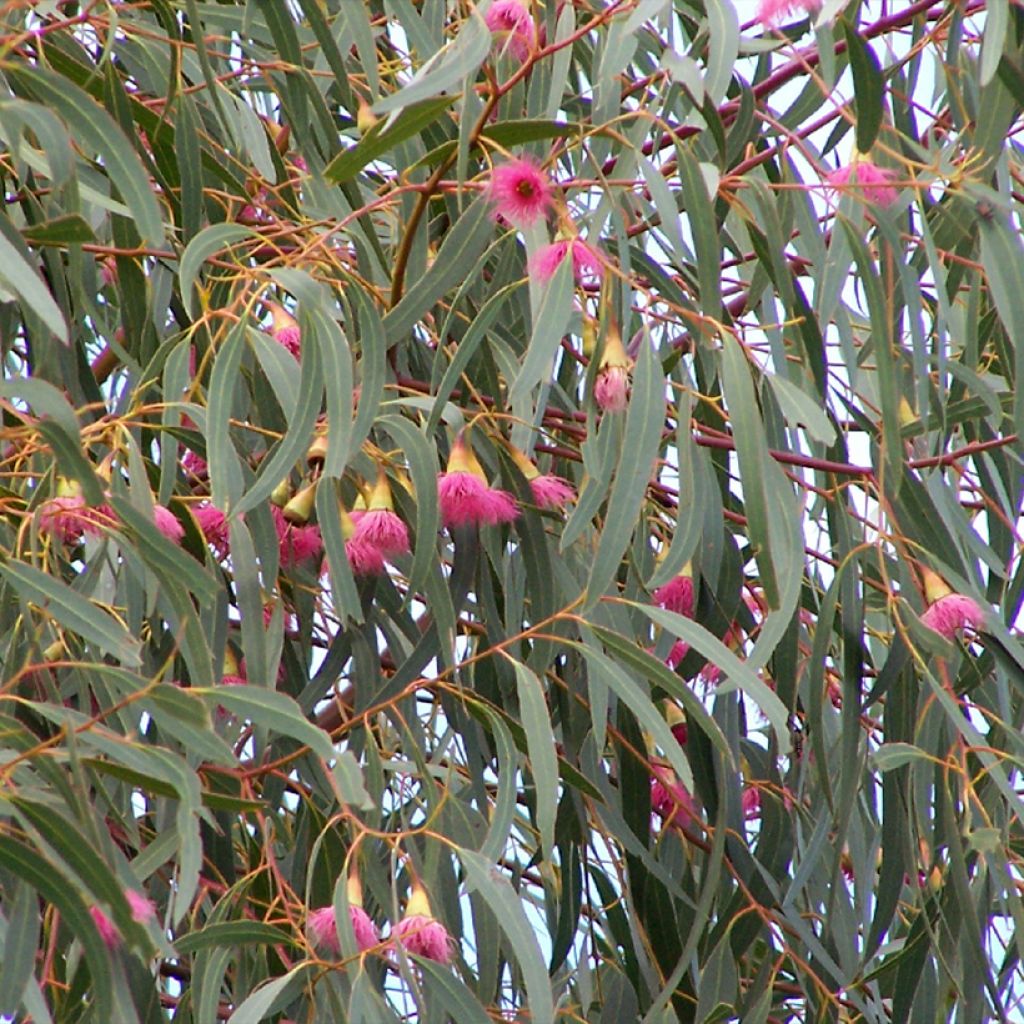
{"x": 680, "y": 747}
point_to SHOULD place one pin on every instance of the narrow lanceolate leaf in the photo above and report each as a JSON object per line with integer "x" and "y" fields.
{"x": 754, "y": 461}
{"x": 384, "y": 136}
{"x": 19, "y": 275}
{"x": 495, "y": 888}
{"x": 1002, "y": 255}
{"x": 209, "y": 241}
{"x": 645, "y": 418}
{"x": 549, "y": 325}
{"x": 26, "y": 863}
{"x": 540, "y": 741}
{"x": 455, "y": 260}
{"x": 275, "y": 711}
{"x": 868, "y": 86}
{"x": 72, "y": 611}
{"x": 99, "y": 133}
{"x": 445, "y": 69}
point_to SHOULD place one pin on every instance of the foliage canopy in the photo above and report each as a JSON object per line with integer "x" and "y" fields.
{"x": 536, "y": 459}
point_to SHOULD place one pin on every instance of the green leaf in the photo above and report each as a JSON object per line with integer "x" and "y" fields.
{"x": 44, "y": 876}
{"x": 1002, "y": 255}
{"x": 483, "y": 877}
{"x": 868, "y": 86}
{"x": 67, "y": 229}
{"x": 22, "y": 278}
{"x": 271, "y": 996}
{"x": 73, "y": 611}
{"x": 275, "y": 711}
{"x": 540, "y": 741}
{"x": 233, "y": 933}
{"x": 801, "y": 409}
{"x": 457, "y": 60}
{"x": 97, "y": 131}
{"x": 19, "y": 947}
{"x": 455, "y": 260}
{"x": 641, "y": 437}
{"x": 718, "y": 654}
{"x": 895, "y": 755}
{"x": 549, "y": 325}
{"x": 753, "y": 457}
{"x": 209, "y": 241}
{"x": 385, "y": 136}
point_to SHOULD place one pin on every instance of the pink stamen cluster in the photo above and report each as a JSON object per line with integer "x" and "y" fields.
{"x": 108, "y": 930}
{"x": 611, "y": 388}
{"x": 424, "y": 936}
{"x": 466, "y": 500}
{"x": 382, "y": 530}
{"x": 671, "y": 800}
{"x": 512, "y": 27}
{"x": 863, "y": 178}
{"x": 167, "y": 523}
{"x": 296, "y": 543}
{"x": 676, "y": 596}
{"x": 771, "y": 12}
{"x": 324, "y": 933}
{"x": 214, "y": 528}
{"x": 552, "y": 492}
{"x": 952, "y": 613}
{"x": 68, "y": 517}
{"x": 520, "y": 191}
{"x": 586, "y": 263}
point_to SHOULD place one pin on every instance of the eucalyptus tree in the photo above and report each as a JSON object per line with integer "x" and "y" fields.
{"x": 511, "y": 510}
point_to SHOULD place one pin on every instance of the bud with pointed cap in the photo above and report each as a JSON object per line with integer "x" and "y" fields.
{"x": 300, "y": 507}
{"x": 317, "y": 451}
{"x": 365, "y": 117}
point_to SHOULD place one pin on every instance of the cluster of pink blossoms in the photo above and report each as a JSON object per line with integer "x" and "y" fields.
{"x": 418, "y": 932}
{"x": 522, "y": 194}
{"x": 68, "y": 517}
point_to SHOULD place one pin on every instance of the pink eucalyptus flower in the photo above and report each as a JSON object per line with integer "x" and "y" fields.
{"x": 750, "y": 803}
{"x": 951, "y": 613}
{"x": 214, "y": 527}
{"x": 108, "y": 930}
{"x": 143, "y": 910}
{"x": 520, "y": 191}
{"x": 297, "y": 544}
{"x": 322, "y": 932}
{"x": 284, "y": 329}
{"x": 865, "y": 179}
{"x": 321, "y": 925}
{"x": 465, "y": 496}
{"x": 424, "y": 936}
{"x": 66, "y": 517}
{"x": 512, "y": 27}
{"x": 466, "y": 499}
{"x": 195, "y": 464}
{"x": 671, "y": 800}
{"x": 550, "y": 491}
{"x": 167, "y": 523}
{"x": 546, "y": 260}
{"x": 771, "y": 12}
{"x": 611, "y": 388}
{"x": 676, "y": 595}
{"x": 364, "y": 559}
{"x": 384, "y": 530}
{"x": 680, "y": 649}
